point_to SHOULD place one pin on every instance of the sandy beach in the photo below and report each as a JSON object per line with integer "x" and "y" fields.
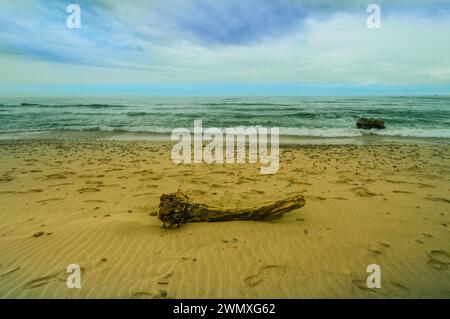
{"x": 93, "y": 203}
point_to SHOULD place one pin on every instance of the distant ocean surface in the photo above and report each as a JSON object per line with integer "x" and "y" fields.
{"x": 296, "y": 116}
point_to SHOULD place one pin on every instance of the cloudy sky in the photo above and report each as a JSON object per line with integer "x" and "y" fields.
{"x": 226, "y": 47}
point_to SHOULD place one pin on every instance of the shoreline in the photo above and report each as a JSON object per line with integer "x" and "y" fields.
{"x": 369, "y": 139}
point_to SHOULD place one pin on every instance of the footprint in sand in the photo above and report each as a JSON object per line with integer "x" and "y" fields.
{"x": 363, "y": 192}
{"x": 141, "y": 295}
{"x": 43, "y": 281}
{"x": 263, "y": 274}
{"x": 398, "y": 289}
{"x": 61, "y": 276}
{"x": 439, "y": 259}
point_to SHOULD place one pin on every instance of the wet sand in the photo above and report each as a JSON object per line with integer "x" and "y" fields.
{"x": 93, "y": 203}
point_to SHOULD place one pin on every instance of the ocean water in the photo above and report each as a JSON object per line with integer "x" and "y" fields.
{"x": 296, "y": 116}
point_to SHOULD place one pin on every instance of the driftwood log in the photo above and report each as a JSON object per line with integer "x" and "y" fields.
{"x": 177, "y": 208}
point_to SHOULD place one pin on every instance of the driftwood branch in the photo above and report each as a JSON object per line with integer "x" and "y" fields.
{"x": 177, "y": 208}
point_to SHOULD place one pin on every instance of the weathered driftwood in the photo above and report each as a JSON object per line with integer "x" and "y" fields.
{"x": 177, "y": 208}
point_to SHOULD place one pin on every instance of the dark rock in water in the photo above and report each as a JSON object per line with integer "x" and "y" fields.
{"x": 367, "y": 124}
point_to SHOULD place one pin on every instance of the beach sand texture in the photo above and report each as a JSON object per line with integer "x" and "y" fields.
{"x": 94, "y": 203}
